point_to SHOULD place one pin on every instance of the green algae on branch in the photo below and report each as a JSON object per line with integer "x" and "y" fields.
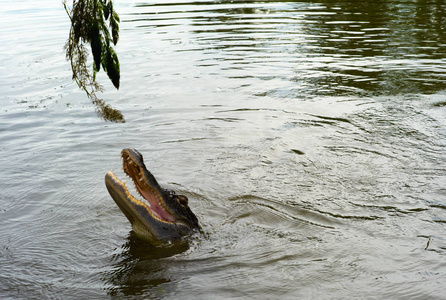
{"x": 94, "y": 22}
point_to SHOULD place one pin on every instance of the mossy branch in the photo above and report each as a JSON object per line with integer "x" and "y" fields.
{"x": 89, "y": 26}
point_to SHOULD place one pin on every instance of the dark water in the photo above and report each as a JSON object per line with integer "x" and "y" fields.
{"x": 309, "y": 137}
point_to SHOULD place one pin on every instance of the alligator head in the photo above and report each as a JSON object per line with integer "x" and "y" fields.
{"x": 164, "y": 216}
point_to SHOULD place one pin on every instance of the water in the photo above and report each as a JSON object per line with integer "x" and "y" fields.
{"x": 309, "y": 137}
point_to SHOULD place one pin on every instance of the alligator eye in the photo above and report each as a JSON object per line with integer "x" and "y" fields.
{"x": 182, "y": 200}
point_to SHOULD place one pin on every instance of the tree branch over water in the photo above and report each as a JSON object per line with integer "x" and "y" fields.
{"x": 94, "y": 22}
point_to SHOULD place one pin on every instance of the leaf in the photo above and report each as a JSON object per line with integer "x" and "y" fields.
{"x": 115, "y": 35}
{"x": 116, "y": 17}
{"x": 96, "y": 46}
{"x": 113, "y": 67}
{"x": 106, "y": 11}
{"x": 110, "y": 8}
{"x": 114, "y": 24}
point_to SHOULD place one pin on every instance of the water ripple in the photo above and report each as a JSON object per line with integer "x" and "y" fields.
{"x": 309, "y": 138}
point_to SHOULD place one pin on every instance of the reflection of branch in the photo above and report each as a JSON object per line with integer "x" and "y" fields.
{"x": 88, "y": 26}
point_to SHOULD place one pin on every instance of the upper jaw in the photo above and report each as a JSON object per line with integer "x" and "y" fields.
{"x": 147, "y": 187}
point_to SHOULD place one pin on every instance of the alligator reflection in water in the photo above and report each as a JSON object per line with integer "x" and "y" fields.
{"x": 165, "y": 216}
{"x": 138, "y": 268}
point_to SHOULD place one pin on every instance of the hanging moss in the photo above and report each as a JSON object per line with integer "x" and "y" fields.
{"x": 89, "y": 26}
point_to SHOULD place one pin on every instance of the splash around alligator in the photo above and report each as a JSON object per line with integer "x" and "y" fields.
{"x": 162, "y": 216}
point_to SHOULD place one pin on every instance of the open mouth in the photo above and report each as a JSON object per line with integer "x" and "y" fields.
{"x": 153, "y": 200}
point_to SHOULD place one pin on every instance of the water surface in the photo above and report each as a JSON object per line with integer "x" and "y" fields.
{"x": 309, "y": 137}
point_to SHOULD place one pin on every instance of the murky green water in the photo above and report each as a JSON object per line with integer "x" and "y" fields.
{"x": 309, "y": 137}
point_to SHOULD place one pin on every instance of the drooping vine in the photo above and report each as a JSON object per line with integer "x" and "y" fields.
{"x": 94, "y": 22}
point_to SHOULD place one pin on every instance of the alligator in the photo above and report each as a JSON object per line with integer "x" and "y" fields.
{"x": 164, "y": 216}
